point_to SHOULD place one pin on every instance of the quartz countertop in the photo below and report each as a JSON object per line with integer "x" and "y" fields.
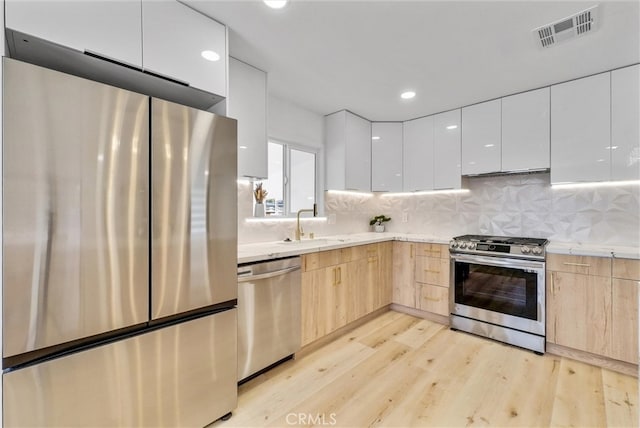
{"x": 597, "y": 250}
{"x": 248, "y": 253}
{"x": 255, "y": 252}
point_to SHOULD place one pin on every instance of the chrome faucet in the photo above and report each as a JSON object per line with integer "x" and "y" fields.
{"x": 299, "y": 232}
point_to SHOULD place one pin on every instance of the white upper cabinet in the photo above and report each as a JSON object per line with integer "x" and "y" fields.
{"x": 247, "y": 102}
{"x": 581, "y": 130}
{"x": 108, "y": 28}
{"x": 481, "y": 141}
{"x": 625, "y": 123}
{"x": 417, "y": 146}
{"x": 525, "y": 131}
{"x": 176, "y": 40}
{"x": 386, "y": 156}
{"x": 446, "y": 150}
{"x": 347, "y": 152}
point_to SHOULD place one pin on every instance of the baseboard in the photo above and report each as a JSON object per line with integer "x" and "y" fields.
{"x": 319, "y": 343}
{"x": 593, "y": 359}
{"x": 440, "y": 319}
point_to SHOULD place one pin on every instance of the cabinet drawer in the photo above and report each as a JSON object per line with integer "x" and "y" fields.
{"x": 362, "y": 252}
{"x": 596, "y": 266}
{"x": 432, "y": 298}
{"x": 430, "y": 270}
{"x": 626, "y": 269}
{"x": 432, "y": 250}
{"x": 321, "y": 260}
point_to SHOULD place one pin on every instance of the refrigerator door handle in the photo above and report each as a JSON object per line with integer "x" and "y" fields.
{"x": 268, "y": 275}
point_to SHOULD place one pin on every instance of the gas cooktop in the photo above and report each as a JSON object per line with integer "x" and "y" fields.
{"x": 507, "y": 246}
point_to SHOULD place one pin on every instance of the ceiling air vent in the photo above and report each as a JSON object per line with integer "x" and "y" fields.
{"x": 572, "y": 26}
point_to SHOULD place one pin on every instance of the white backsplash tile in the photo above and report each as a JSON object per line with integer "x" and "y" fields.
{"x": 516, "y": 205}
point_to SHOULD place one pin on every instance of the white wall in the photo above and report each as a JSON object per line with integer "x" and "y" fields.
{"x": 290, "y": 123}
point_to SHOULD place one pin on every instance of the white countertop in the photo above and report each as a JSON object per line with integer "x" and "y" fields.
{"x": 248, "y": 253}
{"x": 604, "y": 250}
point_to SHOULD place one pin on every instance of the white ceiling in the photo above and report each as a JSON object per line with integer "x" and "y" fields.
{"x": 359, "y": 55}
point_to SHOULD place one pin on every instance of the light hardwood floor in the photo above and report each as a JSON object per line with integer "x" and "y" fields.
{"x": 398, "y": 371}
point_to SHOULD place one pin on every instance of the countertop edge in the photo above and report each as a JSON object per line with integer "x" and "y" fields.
{"x": 257, "y": 252}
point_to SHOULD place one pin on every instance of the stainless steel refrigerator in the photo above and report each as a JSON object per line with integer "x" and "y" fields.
{"x": 119, "y": 256}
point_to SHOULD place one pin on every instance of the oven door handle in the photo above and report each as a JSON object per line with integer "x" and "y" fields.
{"x": 500, "y": 262}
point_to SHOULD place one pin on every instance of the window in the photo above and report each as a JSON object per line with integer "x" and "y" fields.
{"x": 292, "y": 179}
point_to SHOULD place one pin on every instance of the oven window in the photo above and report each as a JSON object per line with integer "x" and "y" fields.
{"x": 509, "y": 291}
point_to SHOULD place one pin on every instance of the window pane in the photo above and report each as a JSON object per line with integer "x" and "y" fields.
{"x": 303, "y": 180}
{"x": 274, "y": 204}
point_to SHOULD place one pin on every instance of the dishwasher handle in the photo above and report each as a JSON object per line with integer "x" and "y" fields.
{"x": 246, "y": 275}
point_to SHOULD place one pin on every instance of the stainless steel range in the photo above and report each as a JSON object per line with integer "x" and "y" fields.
{"x": 498, "y": 288}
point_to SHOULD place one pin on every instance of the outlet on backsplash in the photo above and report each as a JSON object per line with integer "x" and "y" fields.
{"x": 405, "y": 216}
{"x": 331, "y": 219}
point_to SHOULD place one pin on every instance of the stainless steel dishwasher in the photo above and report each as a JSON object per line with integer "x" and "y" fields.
{"x": 268, "y": 313}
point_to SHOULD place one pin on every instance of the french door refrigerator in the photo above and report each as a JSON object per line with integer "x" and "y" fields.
{"x": 119, "y": 256}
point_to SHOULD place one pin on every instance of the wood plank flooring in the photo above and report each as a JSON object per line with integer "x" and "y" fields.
{"x": 400, "y": 371}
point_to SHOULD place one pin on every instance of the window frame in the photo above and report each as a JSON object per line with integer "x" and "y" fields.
{"x": 286, "y": 173}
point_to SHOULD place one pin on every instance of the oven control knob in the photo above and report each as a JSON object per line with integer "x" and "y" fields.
{"x": 453, "y": 244}
{"x": 536, "y": 250}
{"x": 462, "y": 245}
{"x": 471, "y": 246}
{"x": 525, "y": 250}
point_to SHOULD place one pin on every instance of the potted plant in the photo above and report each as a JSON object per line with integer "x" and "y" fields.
{"x": 259, "y": 193}
{"x": 377, "y": 222}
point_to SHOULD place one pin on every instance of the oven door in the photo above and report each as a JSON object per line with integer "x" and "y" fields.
{"x": 498, "y": 290}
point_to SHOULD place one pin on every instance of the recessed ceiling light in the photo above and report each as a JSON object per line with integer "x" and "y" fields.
{"x": 407, "y": 95}
{"x": 489, "y": 145}
{"x": 210, "y": 55}
{"x": 452, "y": 126}
{"x": 276, "y": 4}
{"x": 375, "y": 137}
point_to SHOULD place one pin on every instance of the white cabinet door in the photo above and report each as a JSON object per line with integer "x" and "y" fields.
{"x": 174, "y": 39}
{"x": 358, "y": 153}
{"x": 481, "y": 140}
{"x": 417, "y": 145}
{"x": 347, "y": 152}
{"x": 386, "y": 156}
{"x": 247, "y": 102}
{"x": 446, "y": 150}
{"x": 108, "y": 28}
{"x": 625, "y": 123}
{"x": 580, "y": 130}
{"x": 525, "y": 131}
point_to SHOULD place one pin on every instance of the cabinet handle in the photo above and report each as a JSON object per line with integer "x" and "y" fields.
{"x": 411, "y": 251}
{"x": 431, "y": 271}
{"x": 339, "y": 275}
{"x": 576, "y": 264}
{"x": 335, "y": 276}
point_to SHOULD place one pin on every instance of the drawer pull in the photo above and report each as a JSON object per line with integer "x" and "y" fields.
{"x": 431, "y": 271}
{"x": 576, "y": 264}
{"x": 431, "y": 299}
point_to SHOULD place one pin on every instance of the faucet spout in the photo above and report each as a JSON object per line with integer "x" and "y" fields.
{"x": 299, "y": 232}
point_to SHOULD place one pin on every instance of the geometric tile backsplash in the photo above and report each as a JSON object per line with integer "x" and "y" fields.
{"x": 515, "y": 205}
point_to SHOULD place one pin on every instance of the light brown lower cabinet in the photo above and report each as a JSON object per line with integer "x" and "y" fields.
{"x": 625, "y": 289}
{"x": 592, "y": 305}
{"x": 404, "y": 288}
{"x": 341, "y": 286}
{"x": 580, "y": 312}
{"x": 433, "y": 298}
